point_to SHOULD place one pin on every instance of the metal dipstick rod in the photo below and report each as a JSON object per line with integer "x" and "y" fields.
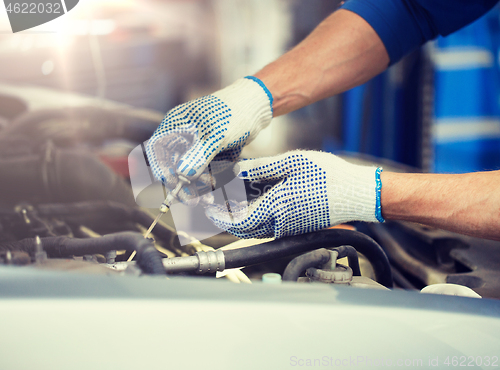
{"x": 165, "y": 206}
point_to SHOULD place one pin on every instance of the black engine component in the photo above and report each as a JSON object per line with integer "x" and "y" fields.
{"x": 318, "y": 258}
{"x": 49, "y": 174}
{"x": 321, "y": 239}
{"x": 148, "y": 258}
{"x": 301, "y": 263}
{"x": 423, "y": 255}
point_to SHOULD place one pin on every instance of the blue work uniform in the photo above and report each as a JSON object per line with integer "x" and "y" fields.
{"x": 403, "y": 25}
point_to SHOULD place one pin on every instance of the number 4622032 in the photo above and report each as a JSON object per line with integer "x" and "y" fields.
{"x": 472, "y": 361}
{"x": 34, "y": 8}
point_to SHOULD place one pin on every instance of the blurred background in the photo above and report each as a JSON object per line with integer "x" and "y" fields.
{"x": 436, "y": 110}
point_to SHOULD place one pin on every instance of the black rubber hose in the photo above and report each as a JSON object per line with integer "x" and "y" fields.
{"x": 102, "y": 211}
{"x": 321, "y": 239}
{"x": 352, "y": 258}
{"x": 148, "y": 258}
{"x": 301, "y": 263}
{"x": 318, "y": 258}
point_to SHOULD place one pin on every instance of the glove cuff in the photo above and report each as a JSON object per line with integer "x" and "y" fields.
{"x": 358, "y": 196}
{"x": 378, "y": 190}
{"x": 264, "y": 87}
{"x": 251, "y": 105}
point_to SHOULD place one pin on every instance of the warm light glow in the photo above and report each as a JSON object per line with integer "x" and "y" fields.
{"x": 47, "y": 67}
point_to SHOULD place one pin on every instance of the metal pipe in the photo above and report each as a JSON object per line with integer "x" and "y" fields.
{"x": 201, "y": 262}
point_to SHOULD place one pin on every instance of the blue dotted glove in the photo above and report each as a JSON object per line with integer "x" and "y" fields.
{"x": 317, "y": 190}
{"x": 194, "y": 133}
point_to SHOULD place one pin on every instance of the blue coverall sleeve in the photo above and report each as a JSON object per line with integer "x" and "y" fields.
{"x": 403, "y": 25}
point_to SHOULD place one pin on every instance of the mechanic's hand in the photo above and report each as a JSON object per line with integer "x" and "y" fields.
{"x": 192, "y": 134}
{"x": 317, "y": 190}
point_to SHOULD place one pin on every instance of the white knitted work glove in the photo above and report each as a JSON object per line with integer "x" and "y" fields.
{"x": 192, "y": 134}
{"x": 317, "y": 190}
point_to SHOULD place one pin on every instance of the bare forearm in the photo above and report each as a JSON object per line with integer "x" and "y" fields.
{"x": 342, "y": 52}
{"x": 466, "y": 203}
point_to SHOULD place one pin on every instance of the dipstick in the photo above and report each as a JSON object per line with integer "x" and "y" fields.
{"x": 165, "y": 206}
{"x": 153, "y": 225}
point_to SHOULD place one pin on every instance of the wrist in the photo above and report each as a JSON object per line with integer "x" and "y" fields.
{"x": 288, "y": 95}
{"x": 402, "y": 192}
{"x": 391, "y": 200}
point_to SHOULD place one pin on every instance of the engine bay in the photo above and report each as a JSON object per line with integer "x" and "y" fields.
{"x": 67, "y": 204}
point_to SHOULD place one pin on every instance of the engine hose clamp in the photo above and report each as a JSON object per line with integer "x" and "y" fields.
{"x": 211, "y": 261}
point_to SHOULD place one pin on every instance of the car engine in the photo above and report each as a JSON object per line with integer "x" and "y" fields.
{"x": 67, "y": 205}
